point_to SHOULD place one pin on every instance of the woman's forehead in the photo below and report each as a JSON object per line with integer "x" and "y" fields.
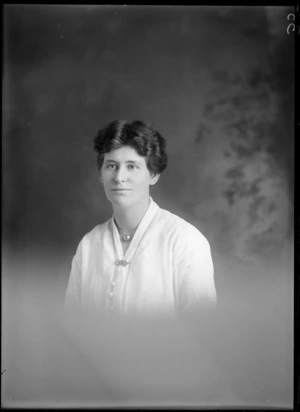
{"x": 124, "y": 153}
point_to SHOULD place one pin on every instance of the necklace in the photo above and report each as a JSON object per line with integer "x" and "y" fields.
{"x": 125, "y": 236}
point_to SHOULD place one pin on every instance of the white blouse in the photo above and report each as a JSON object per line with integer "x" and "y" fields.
{"x": 167, "y": 268}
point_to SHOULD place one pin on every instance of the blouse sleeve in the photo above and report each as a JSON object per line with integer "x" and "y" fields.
{"x": 194, "y": 273}
{"x": 73, "y": 291}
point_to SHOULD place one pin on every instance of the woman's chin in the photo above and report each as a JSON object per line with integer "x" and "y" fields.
{"x": 120, "y": 201}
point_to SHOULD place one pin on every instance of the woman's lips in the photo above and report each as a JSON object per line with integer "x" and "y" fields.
{"x": 120, "y": 190}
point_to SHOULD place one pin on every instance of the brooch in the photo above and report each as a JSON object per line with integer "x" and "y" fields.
{"x": 121, "y": 262}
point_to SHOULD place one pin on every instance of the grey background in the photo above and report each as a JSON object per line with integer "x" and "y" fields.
{"x": 218, "y": 83}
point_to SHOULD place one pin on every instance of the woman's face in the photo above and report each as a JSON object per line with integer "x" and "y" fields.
{"x": 126, "y": 178}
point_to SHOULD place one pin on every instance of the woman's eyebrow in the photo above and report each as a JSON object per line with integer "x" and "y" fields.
{"x": 127, "y": 161}
{"x": 133, "y": 161}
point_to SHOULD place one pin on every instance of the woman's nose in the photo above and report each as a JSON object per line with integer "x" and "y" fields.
{"x": 120, "y": 175}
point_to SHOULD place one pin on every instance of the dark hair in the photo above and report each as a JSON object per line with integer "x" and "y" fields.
{"x": 138, "y": 135}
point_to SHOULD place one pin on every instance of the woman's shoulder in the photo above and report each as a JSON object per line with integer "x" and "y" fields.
{"x": 181, "y": 229}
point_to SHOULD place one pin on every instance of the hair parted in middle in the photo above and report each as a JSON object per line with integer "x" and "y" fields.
{"x": 139, "y": 135}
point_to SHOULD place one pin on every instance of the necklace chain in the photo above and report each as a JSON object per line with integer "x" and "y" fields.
{"x": 125, "y": 236}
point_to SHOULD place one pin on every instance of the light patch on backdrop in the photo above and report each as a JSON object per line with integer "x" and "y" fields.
{"x": 239, "y": 355}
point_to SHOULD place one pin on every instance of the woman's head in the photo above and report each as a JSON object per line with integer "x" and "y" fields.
{"x": 138, "y": 135}
{"x": 131, "y": 157}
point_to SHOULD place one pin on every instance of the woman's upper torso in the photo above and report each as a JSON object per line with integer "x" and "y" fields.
{"x": 167, "y": 268}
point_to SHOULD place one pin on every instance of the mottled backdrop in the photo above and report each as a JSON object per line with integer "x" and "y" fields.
{"x": 218, "y": 83}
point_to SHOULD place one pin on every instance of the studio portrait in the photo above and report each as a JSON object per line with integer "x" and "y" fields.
{"x": 148, "y": 206}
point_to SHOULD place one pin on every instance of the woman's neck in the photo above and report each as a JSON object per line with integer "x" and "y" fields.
{"x": 129, "y": 218}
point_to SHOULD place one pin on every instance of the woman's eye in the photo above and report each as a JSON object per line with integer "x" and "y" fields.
{"x": 110, "y": 166}
{"x": 131, "y": 167}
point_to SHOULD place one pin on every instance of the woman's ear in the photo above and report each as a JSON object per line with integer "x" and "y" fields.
{"x": 100, "y": 177}
{"x": 154, "y": 179}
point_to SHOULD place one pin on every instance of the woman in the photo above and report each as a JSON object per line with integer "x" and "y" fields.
{"x": 144, "y": 260}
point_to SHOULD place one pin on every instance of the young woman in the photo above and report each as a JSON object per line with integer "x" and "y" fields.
{"x": 144, "y": 260}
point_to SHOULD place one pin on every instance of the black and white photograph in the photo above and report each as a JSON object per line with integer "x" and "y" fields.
{"x": 148, "y": 206}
